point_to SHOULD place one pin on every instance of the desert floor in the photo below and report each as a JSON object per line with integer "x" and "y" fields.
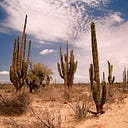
{"x": 57, "y": 106}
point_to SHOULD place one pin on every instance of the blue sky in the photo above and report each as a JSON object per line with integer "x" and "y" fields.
{"x": 52, "y": 22}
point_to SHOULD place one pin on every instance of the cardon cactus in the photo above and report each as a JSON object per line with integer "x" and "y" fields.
{"x": 67, "y": 67}
{"x": 124, "y": 76}
{"x": 110, "y": 70}
{"x": 98, "y": 90}
{"x": 110, "y": 77}
{"x": 19, "y": 66}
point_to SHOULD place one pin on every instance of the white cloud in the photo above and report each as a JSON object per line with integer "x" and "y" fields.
{"x": 4, "y": 73}
{"x": 47, "y": 51}
{"x": 57, "y": 20}
{"x": 50, "y": 20}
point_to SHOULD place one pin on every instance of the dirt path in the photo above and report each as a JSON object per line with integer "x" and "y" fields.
{"x": 115, "y": 117}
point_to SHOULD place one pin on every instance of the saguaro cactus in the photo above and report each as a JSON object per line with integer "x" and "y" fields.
{"x": 18, "y": 69}
{"x": 67, "y": 68}
{"x": 98, "y": 91}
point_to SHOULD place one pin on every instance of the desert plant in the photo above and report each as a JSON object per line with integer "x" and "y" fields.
{"x": 66, "y": 67}
{"x": 48, "y": 119}
{"x": 110, "y": 77}
{"x": 98, "y": 91}
{"x": 110, "y": 70}
{"x": 38, "y": 74}
{"x": 14, "y": 105}
{"x": 80, "y": 108}
{"x": 19, "y": 66}
{"x": 124, "y": 76}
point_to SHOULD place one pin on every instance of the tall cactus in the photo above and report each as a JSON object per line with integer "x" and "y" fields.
{"x": 110, "y": 70}
{"x": 19, "y": 67}
{"x": 98, "y": 91}
{"x": 124, "y": 76}
{"x": 66, "y": 67}
{"x": 110, "y": 77}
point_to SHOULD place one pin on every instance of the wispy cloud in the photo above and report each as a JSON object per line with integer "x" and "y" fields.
{"x": 47, "y": 51}
{"x": 59, "y": 20}
{"x": 51, "y": 20}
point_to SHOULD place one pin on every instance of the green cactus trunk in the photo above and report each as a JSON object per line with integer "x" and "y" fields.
{"x": 19, "y": 67}
{"x": 124, "y": 76}
{"x": 66, "y": 67}
{"x": 98, "y": 91}
{"x": 111, "y": 78}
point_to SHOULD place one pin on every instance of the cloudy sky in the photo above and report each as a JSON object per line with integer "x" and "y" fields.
{"x": 52, "y": 22}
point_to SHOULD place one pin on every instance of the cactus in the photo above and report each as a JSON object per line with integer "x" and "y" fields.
{"x": 98, "y": 91}
{"x": 124, "y": 76}
{"x": 110, "y": 77}
{"x": 110, "y": 70}
{"x": 19, "y": 66}
{"x": 66, "y": 67}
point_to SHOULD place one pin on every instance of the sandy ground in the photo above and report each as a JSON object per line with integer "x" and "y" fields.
{"x": 115, "y": 117}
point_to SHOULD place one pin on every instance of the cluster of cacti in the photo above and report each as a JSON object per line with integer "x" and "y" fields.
{"x": 98, "y": 90}
{"x": 110, "y": 70}
{"x": 67, "y": 68}
{"x": 19, "y": 66}
{"x": 125, "y": 76}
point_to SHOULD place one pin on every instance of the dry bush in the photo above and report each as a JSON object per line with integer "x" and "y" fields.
{"x": 44, "y": 119}
{"x": 49, "y": 120}
{"x": 14, "y": 105}
{"x": 81, "y": 107}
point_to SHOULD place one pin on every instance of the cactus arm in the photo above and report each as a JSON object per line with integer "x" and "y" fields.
{"x": 103, "y": 90}
{"x": 59, "y": 70}
{"x": 62, "y": 62}
{"x": 24, "y": 47}
{"x": 103, "y": 93}
{"x": 23, "y": 33}
{"x": 29, "y": 49}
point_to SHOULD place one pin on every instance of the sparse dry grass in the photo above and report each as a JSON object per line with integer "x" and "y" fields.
{"x": 14, "y": 105}
{"x": 52, "y": 98}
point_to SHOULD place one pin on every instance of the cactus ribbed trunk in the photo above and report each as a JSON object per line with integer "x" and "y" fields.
{"x": 110, "y": 78}
{"x": 19, "y": 67}
{"x": 98, "y": 91}
{"x": 124, "y": 76}
{"x": 66, "y": 67}
{"x": 95, "y": 55}
{"x": 110, "y": 70}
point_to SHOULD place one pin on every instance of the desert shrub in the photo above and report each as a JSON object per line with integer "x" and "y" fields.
{"x": 43, "y": 119}
{"x": 80, "y": 109}
{"x": 14, "y": 105}
{"x": 47, "y": 119}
